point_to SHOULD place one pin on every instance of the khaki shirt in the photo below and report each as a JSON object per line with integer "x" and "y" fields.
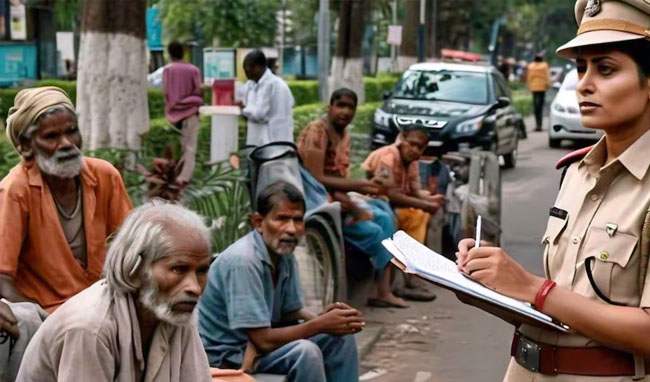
{"x": 592, "y": 197}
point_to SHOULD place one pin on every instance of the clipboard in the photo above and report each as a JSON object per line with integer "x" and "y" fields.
{"x": 501, "y": 311}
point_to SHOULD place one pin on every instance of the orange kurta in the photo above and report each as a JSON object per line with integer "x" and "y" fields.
{"x": 33, "y": 247}
{"x": 320, "y": 135}
{"x": 389, "y": 159}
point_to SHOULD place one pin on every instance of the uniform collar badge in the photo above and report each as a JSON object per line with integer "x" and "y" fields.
{"x": 611, "y": 229}
{"x": 592, "y": 8}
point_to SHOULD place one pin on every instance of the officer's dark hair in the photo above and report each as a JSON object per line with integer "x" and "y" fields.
{"x": 256, "y": 57}
{"x": 406, "y": 130}
{"x": 175, "y": 50}
{"x": 277, "y": 192}
{"x": 343, "y": 92}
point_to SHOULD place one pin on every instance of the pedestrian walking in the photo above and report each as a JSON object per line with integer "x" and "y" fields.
{"x": 268, "y": 103}
{"x": 598, "y": 234}
{"x": 182, "y": 88}
{"x": 538, "y": 84}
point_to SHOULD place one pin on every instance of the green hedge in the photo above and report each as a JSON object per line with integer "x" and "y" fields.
{"x": 361, "y": 124}
{"x": 523, "y": 102}
{"x": 155, "y": 97}
{"x": 304, "y": 92}
{"x": 516, "y": 85}
{"x": 375, "y": 87}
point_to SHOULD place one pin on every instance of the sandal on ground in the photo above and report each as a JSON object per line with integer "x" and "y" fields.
{"x": 377, "y": 303}
{"x": 415, "y": 294}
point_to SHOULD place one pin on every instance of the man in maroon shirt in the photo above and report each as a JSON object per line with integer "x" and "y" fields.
{"x": 182, "y": 88}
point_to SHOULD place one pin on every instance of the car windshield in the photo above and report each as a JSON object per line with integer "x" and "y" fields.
{"x": 443, "y": 85}
{"x": 570, "y": 81}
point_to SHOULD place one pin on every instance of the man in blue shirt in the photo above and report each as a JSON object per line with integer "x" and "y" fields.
{"x": 253, "y": 291}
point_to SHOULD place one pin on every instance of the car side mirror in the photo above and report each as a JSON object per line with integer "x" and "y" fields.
{"x": 386, "y": 95}
{"x": 503, "y": 102}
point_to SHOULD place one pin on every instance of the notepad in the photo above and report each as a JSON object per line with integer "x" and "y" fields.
{"x": 431, "y": 266}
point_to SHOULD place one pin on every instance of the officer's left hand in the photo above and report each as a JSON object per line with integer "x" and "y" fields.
{"x": 494, "y": 268}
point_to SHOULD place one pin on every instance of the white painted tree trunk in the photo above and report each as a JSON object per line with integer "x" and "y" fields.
{"x": 112, "y": 90}
{"x": 348, "y": 73}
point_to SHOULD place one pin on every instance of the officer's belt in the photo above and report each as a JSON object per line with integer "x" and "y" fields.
{"x": 590, "y": 361}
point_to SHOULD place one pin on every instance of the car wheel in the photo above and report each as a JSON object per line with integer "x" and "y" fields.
{"x": 554, "y": 143}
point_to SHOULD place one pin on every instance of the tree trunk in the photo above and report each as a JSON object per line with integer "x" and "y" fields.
{"x": 112, "y": 71}
{"x": 454, "y": 19}
{"x": 408, "y": 50}
{"x": 347, "y": 64}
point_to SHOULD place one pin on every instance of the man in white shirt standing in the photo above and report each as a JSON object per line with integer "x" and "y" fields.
{"x": 268, "y": 103}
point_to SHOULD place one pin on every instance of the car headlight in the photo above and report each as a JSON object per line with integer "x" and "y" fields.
{"x": 470, "y": 126}
{"x": 382, "y": 118}
{"x": 559, "y": 108}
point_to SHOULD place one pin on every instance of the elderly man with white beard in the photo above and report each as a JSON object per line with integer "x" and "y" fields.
{"x": 137, "y": 324}
{"x": 57, "y": 208}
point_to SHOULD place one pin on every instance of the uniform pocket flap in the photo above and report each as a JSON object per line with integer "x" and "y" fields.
{"x": 554, "y": 227}
{"x": 617, "y": 248}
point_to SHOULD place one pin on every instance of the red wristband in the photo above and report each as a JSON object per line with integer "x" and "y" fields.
{"x": 543, "y": 293}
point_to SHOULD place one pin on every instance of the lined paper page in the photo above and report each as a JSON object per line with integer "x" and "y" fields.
{"x": 430, "y": 264}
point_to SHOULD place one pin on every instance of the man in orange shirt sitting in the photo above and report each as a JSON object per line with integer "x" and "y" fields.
{"x": 396, "y": 167}
{"x": 57, "y": 208}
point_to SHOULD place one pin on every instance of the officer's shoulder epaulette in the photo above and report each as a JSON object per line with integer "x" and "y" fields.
{"x": 572, "y": 157}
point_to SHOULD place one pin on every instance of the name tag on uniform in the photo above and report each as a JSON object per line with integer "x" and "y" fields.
{"x": 559, "y": 213}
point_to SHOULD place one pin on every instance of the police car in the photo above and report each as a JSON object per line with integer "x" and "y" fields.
{"x": 464, "y": 106}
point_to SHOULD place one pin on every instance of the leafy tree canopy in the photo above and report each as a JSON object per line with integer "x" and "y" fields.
{"x": 230, "y": 23}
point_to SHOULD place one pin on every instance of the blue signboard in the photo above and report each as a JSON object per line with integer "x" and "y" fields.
{"x": 17, "y": 62}
{"x": 154, "y": 29}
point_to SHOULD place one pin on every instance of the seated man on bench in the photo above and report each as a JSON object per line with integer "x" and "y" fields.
{"x": 253, "y": 296}
{"x": 324, "y": 146}
{"x": 396, "y": 167}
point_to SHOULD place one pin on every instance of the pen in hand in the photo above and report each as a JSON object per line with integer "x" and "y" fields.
{"x": 477, "y": 241}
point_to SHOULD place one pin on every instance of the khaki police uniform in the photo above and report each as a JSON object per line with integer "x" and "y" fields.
{"x": 600, "y": 210}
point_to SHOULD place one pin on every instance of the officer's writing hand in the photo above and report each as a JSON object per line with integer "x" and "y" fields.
{"x": 8, "y": 321}
{"x": 494, "y": 268}
{"x": 339, "y": 322}
{"x": 463, "y": 249}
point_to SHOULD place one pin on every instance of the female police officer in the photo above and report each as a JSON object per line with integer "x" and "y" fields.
{"x": 595, "y": 257}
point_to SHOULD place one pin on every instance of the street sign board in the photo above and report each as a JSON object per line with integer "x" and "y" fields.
{"x": 394, "y": 35}
{"x": 218, "y": 64}
{"x": 154, "y": 29}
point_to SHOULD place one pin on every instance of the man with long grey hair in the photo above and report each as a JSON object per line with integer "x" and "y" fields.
{"x": 57, "y": 208}
{"x": 136, "y": 324}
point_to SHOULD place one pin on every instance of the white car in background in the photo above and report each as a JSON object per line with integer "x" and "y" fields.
{"x": 564, "y": 121}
